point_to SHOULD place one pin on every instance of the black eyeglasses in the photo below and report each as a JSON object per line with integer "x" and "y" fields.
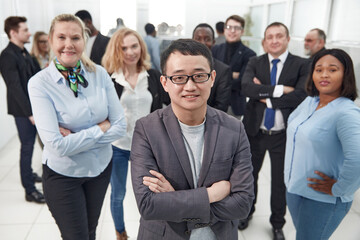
{"x": 183, "y": 79}
{"x": 236, "y": 28}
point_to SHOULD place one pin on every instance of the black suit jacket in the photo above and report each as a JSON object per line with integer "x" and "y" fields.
{"x": 220, "y": 92}
{"x": 293, "y": 74}
{"x": 159, "y": 95}
{"x": 99, "y": 47}
{"x": 237, "y": 64}
{"x": 16, "y": 70}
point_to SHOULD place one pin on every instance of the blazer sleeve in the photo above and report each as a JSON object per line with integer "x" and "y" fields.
{"x": 238, "y": 204}
{"x": 236, "y": 83}
{"x": 221, "y": 89}
{"x": 174, "y": 206}
{"x": 293, "y": 99}
{"x": 12, "y": 78}
{"x": 249, "y": 88}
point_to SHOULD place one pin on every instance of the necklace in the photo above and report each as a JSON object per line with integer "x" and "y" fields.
{"x": 322, "y": 105}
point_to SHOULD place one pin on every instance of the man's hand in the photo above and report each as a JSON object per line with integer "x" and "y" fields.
{"x": 256, "y": 81}
{"x": 218, "y": 191}
{"x": 64, "y": 132}
{"x": 287, "y": 89}
{"x": 104, "y": 125}
{"x": 31, "y": 118}
{"x": 323, "y": 185}
{"x": 235, "y": 75}
{"x": 158, "y": 183}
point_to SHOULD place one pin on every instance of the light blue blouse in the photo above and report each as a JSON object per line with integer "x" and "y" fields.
{"x": 327, "y": 140}
{"x": 87, "y": 151}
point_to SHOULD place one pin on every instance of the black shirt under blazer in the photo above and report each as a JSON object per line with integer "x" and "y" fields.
{"x": 98, "y": 48}
{"x": 159, "y": 96}
{"x": 293, "y": 74}
{"x": 16, "y": 70}
{"x": 237, "y": 64}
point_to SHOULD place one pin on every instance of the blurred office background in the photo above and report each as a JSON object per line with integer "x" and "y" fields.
{"x": 177, "y": 18}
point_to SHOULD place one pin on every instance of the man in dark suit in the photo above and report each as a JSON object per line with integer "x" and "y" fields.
{"x": 17, "y": 67}
{"x": 314, "y": 42}
{"x": 220, "y": 92}
{"x": 190, "y": 163}
{"x": 96, "y": 44}
{"x": 235, "y": 54}
{"x": 274, "y": 82}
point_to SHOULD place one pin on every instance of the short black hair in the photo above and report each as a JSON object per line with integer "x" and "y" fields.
{"x": 186, "y": 47}
{"x": 220, "y": 27}
{"x": 348, "y": 87}
{"x": 204, "y": 25}
{"x": 277, "y": 24}
{"x": 149, "y": 28}
{"x": 83, "y": 15}
{"x": 12, "y": 23}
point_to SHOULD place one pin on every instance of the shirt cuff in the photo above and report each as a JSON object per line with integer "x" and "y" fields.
{"x": 278, "y": 91}
{"x": 268, "y": 103}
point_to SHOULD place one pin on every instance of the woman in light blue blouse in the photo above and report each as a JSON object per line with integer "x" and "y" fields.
{"x": 77, "y": 114}
{"x": 322, "y": 159}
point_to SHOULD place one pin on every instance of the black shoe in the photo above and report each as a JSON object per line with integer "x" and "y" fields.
{"x": 278, "y": 234}
{"x": 37, "y": 178}
{"x": 35, "y": 196}
{"x": 244, "y": 223}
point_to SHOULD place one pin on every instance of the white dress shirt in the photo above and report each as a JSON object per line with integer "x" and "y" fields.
{"x": 278, "y": 92}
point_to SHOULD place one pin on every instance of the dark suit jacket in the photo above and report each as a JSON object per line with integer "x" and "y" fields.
{"x": 293, "y": 74}
{"x": 155, "y": 88}
{"x": 99, "y": 47}
{"x": 16, "y": 71}
{"x": 220, "y": 93}
{"x": 238, "y": 64}
{"x": 158, "y": 145}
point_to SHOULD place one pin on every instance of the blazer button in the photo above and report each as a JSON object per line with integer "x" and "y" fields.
{"x": 187, "y": 232}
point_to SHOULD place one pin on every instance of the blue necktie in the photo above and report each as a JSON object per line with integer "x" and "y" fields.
{"x": 270, "y": 113}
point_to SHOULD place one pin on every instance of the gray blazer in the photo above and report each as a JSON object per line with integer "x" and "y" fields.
{"x": 158, "y": 145}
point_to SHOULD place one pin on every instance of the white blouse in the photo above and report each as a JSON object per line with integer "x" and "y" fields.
{"x": 136, "y": 103}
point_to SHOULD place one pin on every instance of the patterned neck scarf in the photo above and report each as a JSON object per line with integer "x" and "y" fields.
{"x": 73, "y": 76}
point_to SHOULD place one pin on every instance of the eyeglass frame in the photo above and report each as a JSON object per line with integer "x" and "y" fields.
{"x": 236, "y": 28}
{"x": 188, "y": 77}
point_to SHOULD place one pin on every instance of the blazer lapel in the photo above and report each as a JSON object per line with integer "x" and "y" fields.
{"x": 211, "y": 136}
{"x": 174, "y": 132}
{"x": 265, "y": 66}
{"x": 285, "y": 70}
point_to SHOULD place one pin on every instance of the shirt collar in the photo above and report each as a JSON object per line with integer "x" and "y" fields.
{"x": 56, "y": 76}
{"x": 120, "y": 78}
{"x": 282, "y": 57}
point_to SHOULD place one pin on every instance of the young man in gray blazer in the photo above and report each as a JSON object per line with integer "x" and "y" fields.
{"x": 190, "y": 163}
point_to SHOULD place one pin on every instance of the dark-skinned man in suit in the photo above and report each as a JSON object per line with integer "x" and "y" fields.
{"x": 220, "y": 92}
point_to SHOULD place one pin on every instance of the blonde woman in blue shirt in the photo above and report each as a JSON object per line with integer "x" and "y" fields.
{"x": 322, "y": 159}
{"x": 77, "y": 114}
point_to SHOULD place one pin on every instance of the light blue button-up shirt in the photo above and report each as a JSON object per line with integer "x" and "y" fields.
{"x": 87, "y": 151}
{"x": 327, "y": 140}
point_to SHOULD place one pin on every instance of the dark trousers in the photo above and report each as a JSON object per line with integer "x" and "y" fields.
{"x": 275, "y": 144}
{"x": 27, "y": 136}
{"x": 75, "y": 203}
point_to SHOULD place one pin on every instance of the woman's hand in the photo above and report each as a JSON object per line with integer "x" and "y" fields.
{"x": 323, "y": 185}
{"x": 104, "y": 125}
{"x": 158, "y": 183}
{"x": 64, "y": 132}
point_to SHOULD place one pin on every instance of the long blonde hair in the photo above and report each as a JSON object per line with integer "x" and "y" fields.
{"x": 113, "y": 59}
{"x": 89, "y": 65}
